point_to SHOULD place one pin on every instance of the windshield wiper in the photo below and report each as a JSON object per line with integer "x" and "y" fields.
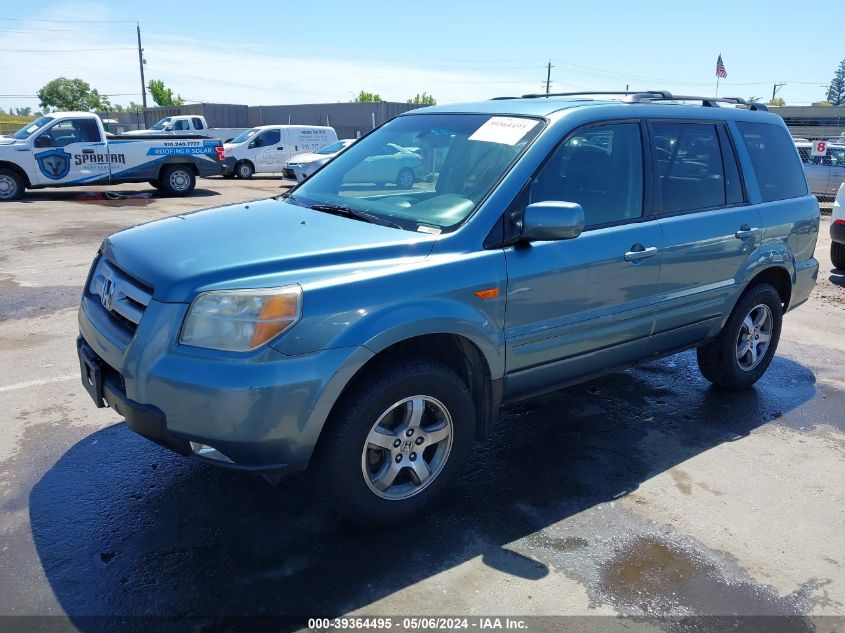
{"x": 357, "y": 214}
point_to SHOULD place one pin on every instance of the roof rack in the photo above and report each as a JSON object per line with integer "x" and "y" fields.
{"x": 651, "y": 96}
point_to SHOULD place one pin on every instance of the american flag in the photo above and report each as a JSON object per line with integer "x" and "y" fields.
{"x": 720, "y": 68}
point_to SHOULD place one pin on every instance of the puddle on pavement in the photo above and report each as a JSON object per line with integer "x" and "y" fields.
{"x": 656, "y": 577}
{"x": 18, "y": 302}
{"x": 115, "y": 198}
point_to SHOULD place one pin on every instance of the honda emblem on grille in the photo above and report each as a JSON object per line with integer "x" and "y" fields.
{"x": 108, "y": 293}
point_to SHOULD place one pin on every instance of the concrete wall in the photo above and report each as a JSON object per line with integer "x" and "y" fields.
{"x": 348, "y": 119}
{"x": 813, "y": 121}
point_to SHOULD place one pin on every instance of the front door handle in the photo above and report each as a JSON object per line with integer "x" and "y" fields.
{"x": 745, "y": 231}
{"x": 280, "y": 148}
{"x": 638, "y": 252}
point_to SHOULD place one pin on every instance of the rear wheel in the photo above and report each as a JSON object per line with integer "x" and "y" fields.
{"x": 742, "y": 351}
{"x": 11, "y": 185}
{"x": 244, "y": 169}
{"x": 405, "y": 178}
{"x": 177, "y": 180}
{"x": 398, "y": 441}
{"x": 837, "y": 255}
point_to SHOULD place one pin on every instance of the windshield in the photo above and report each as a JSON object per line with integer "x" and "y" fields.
{"x": 162, "y": 124}
{"x": 30, "y": 128}
{"x": 333, "y": 148}
{"x": 423, "y": 170}
{"x": 244, "y": 136}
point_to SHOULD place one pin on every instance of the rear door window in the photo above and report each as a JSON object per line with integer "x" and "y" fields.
{"x": 197, "y": 123}
{"x": 689, "y": 162}
{"x": 775, "y": 163}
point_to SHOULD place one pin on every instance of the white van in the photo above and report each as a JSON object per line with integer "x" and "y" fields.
{"x": 266, "y": 148}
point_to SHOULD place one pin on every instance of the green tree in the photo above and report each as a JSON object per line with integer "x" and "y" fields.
{"x": 27, "y": 111}
{"x": 71, "y": 94}
{"x": 366, "y": 97}
{"x": 836, "y": 89}
{"x": 423, "y": 99}
{"x": 777, "y": 101}
{"x": 163, "y": 96}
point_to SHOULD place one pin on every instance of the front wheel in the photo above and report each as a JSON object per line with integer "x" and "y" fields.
{"x": 742, "y": 351}
{"x": 177, "y": 180}
{"x": 397, "y": 442}
{"x": 244, "y": 169}
{"x": 837, "y": 255}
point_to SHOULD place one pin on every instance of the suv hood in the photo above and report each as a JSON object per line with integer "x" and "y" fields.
{"x": 7, "y": 140}
{"x": 259, "y": 244}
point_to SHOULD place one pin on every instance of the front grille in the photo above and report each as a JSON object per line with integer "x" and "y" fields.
{"x": 122, "y": 296}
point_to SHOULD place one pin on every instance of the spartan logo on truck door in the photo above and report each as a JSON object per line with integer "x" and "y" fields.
{"x": 54, "y": 164}
{"x": 91, "y": 158}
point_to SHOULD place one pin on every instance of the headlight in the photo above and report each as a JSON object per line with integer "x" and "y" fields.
{"x": 240, "y": 320}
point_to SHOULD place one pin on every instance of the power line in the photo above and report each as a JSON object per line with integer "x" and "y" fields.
{"x": 63, "y": 50}
{"x": 65, "y": 21}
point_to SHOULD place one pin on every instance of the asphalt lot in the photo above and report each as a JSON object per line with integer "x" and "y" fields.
{"x": 645, "y": 491}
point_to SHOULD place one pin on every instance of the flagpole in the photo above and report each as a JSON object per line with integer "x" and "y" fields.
{"x": 717, "y": 86}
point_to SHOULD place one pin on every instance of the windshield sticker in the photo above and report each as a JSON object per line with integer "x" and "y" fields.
{"x": 422, "y": 228}
{"x": 506, "y": 130}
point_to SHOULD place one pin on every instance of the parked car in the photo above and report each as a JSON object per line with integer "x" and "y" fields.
{"x": 301, "y": 166}
{"x": 65, "y": 149}
{"x": 824, "y": 173}
{"x": 390, "y": 163}
{"x": 372, "y": 334}
{"x": 187, "y": 125}
{"x": 266, "y": 148}
{"x": 837, "y": 230}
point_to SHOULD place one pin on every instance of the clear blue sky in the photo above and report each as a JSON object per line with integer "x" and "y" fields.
{"x": 272, "y": 52}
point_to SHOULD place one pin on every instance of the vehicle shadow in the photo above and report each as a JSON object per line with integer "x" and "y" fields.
{"x": 99, "y": 195}
{"x": 123, "y": 527}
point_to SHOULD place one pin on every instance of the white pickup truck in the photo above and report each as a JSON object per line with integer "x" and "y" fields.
{"x": 188, "y": 124}
{"x": 65, "y": 149}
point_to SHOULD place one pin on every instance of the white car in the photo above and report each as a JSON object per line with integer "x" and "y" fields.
{"x": 301, "y": 166}
{"x": 837, "y": 230}
{"x": 389, "y": 164}
{"x": 266, "y": 148}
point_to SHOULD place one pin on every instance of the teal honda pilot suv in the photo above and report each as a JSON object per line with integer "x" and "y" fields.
{"x": 370, "y": 331}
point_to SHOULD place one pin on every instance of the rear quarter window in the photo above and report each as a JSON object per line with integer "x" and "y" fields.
{"x": 775, "y": 161}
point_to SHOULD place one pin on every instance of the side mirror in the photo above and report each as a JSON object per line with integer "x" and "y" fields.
{"x": 552, "y": 220}
{"x": 45, "y": 140}
{"x": 169, "y": 128}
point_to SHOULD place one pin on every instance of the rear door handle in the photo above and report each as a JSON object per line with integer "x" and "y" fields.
{"x": 745, "y": 231}
{"x": 640, "y": 253}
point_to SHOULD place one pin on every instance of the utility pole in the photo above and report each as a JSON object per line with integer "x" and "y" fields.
{"x": 775, "y": 89}
{"x": 141, "y": 66}
{"x": 548, "y": 75}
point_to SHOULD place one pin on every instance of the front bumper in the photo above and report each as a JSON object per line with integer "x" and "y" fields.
{"x": 263, "y": 411}
{"x": 837, "y": 231}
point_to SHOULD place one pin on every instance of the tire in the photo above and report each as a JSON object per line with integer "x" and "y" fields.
{"x": 229, "y": 176}
{"x": 177, "y": 180}
{"x": 837, "y": 255}
{"x": 12, "y": 186}
{"x": 244, "y": 169}
{"x": 355, "y": 472}
{"x": 405, "y": 178}
{"x": 729, "y": 361}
